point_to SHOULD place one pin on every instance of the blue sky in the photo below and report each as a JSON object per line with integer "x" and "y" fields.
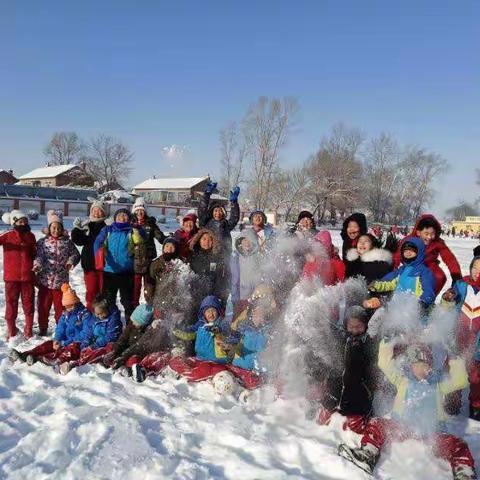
{"x": 156, "y": 73}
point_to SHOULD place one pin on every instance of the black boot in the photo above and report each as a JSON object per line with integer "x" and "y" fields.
{"x": 16, "y": 355}
{"x": 474, "y": 413}
{"x": 365, "y": 457}
{"x": 138, "y": 373}
{"x": 464, "y": 472}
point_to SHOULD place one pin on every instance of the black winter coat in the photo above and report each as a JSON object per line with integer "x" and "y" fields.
{"x": 351, "y": 391}
{"x": 211, "y": 273}
{"x": 145, "y": 252}
{"x": 157, "y": 337}
{"x": 86, "y": 238}
{"x": 220, "y": 228}
{"x": 129, "y": 337}
{"x": 373, "y": 265}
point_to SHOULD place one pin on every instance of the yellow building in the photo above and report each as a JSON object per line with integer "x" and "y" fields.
{"x": 470, "y": 224}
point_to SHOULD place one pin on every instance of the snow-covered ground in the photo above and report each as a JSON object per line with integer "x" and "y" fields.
{"x": 98, "y": 425}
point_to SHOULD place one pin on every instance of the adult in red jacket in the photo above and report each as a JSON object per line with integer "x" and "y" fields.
{"x": 19, "y": 249}
{"x": 428, "y": 229}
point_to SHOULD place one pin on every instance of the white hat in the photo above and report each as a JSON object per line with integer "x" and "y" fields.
{"x": 12, "y": 217}
{"x": 54, "y": 216}
{"x": 98, "y": 204}
{"x": 139, "y": 204}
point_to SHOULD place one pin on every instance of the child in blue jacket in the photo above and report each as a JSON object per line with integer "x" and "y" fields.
{"x": 98, "y": 335}
{"x": 69, "y": 336}
{"x": 413, "y": 276}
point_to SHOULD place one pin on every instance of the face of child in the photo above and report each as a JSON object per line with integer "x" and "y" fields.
{"x": 56, "y": 229}
{"x": 96, "y": 212}
{"x": 353, "y": 230}
{"x": 427, "y": 235}
{"x": 217, "y": 213}
{"x": 364, "y": 244}
{"x": 22, "y": 222}
{"x": 122, "y": 217}
{"x": 206, "y": 242}
{"x": 421, "y": 370}
{"x": 188, "y": 226}
{"x": 310, "y": 257}
{"x": 306, "y": 223}
{"x": 210, "y": 314}
{"x": 475, "y": 273}
{"x": 169, "y": 247}
{"x": 101, "y": 312}
{"x": 409, "y": 254}
{"x": 258, "y": 315}
{"x": 257, "y": 220}
{"x": 246, "y": 245}
{"x": 69, "y": 308}
{"x": 355, "y": 327}
{"x": 140, "y": 213}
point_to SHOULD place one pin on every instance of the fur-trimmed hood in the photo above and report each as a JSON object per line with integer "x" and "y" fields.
{"x": 195, "y": 241}
{"x": 374, "y": 255}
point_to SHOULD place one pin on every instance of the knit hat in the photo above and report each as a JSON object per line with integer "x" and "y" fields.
{"x": 69, "y": 296}
{"x": 190, "y": 216}
{"x": 98, "y": 204}
{"x": 171, "y": 240}
{"x": 121, "y": 210}
{"x": 139, "y": 204}
{"x": 420, "y": 353}
{"x": 142, "y": 315}
{"x": 305, "y": 214}
{"x": 13, "y": 217}
{"x": 357, "y": 312}
{"x": 54, "y": 216}
{"x": 258, "y": 212}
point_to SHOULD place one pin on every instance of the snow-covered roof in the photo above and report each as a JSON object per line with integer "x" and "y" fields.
{"x": 47, "y": 172}
{"x": 166, "y": 183}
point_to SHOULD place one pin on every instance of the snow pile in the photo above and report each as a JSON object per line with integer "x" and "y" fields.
{"x": 98, "y": 425}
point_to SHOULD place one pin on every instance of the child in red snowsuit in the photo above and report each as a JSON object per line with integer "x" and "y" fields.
{"x": 417, "y": 412}
{"x": 466, "y": 294}
{"x": 322, "y": 262}
{"x": 428, "y": 229}
{"x": 19, "y": 248}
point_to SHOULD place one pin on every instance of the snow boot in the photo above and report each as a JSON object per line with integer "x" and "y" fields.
{"x": 65, "y": 367}
{"x": 365, "y": 457}
{"x": 15, "y": 355}
{"x": 138, "y": 373}
{"x": 474, "y": 413}
{"x": 464, "y": 472}
{"x": 30, "y": 359}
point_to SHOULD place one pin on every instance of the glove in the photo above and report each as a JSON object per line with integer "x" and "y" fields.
{"x": 234, "y": 194}
{"x": 77, "y": 223}
{"x": 211, "y": 186}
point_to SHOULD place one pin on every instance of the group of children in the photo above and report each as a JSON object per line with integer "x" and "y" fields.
{"x": 183, "y": 327}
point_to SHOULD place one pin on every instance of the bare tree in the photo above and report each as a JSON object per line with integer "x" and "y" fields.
{"x": 266, "y": 128}
{"x": 107, "y": 159}
{"x": 462, "y": 210}
{"x": 64, "y": 148}
{"x": 289, "y": 190}
{"x": 423, "y": 168}
{"x": 382, "y": 171}
{"x": 335, "y": 172}
{"x": 232, "y": 150}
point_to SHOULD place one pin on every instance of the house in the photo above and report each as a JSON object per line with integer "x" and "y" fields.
{"x": 174, "y": 191}
{"x": 470, "y": 224}
{"x": 56, "y": 176}
{"x": 7, "y": 177}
